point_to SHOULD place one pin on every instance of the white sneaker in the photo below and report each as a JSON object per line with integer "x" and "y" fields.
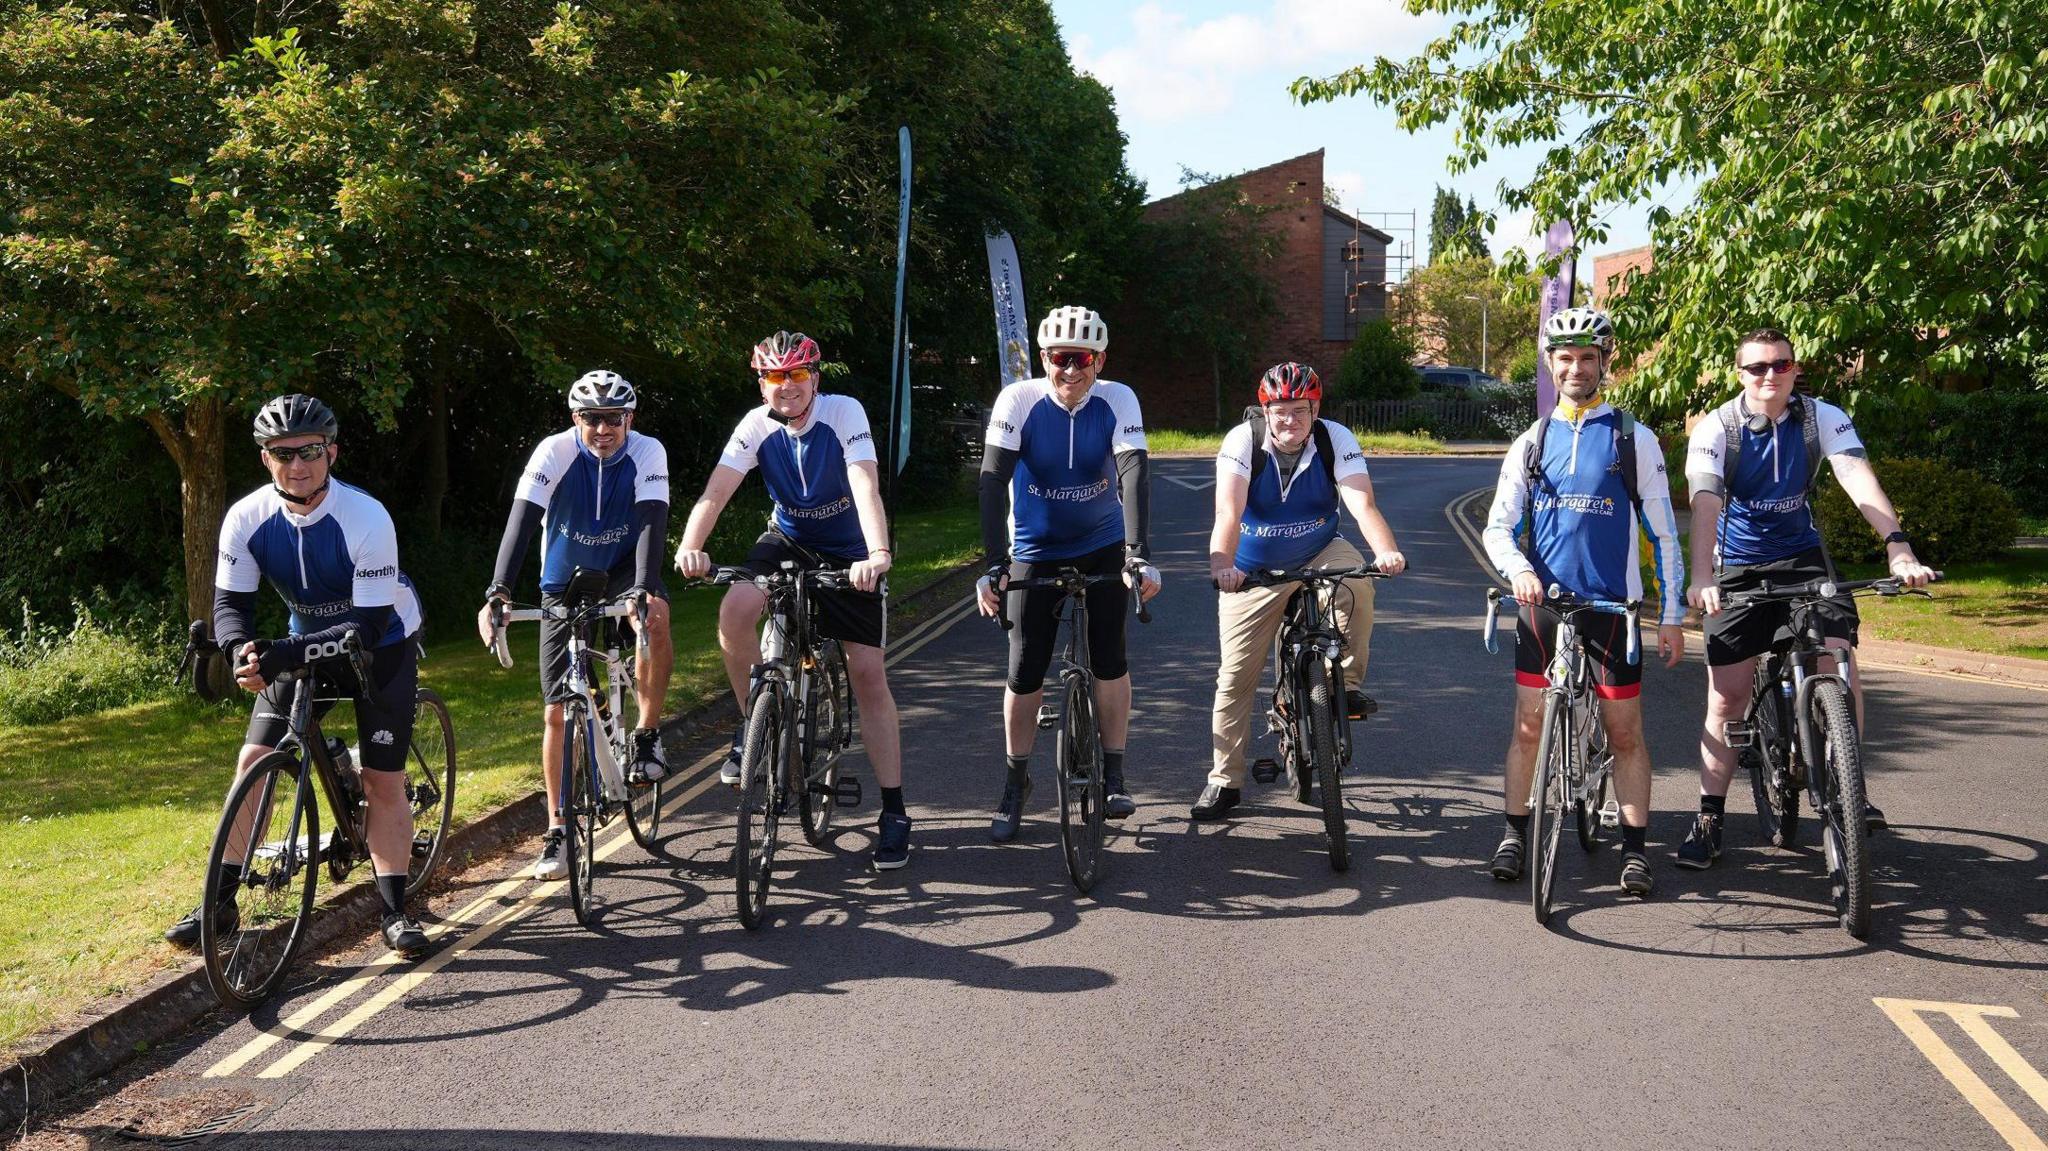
{"x": 550, "y": 864}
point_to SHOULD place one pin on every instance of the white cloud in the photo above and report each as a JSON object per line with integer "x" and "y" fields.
{"x": 1516, "y": 230}
{"x": 1349, "y": 187}
{"x": 1169, "y": 69}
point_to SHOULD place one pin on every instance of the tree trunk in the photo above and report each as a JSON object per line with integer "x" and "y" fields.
{"x": 199, "y": 448}
{"x": 436, "y": 493}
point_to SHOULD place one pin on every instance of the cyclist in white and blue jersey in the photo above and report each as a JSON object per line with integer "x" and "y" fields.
{"x": 331, "y": 552}
{"x": 817, "y": 456}
{"x": 1756, "y": 525}
{"x": 1279, "y": 489}
{"x": 1065, "y": 483}
{"x": 597, "y": 494}
{"x": 1583, "y": 537}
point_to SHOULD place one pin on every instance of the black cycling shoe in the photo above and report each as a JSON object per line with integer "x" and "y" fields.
{"x": 1358, "y": 705}
{"x": 1216, "y": 802}
{"x": 1010, "y": 812}
{"x": 1507, "y": 859}
{"x": 1873, "y": 819}
{"x": 1635, "y": 874}
{"x": 185, "y": 932}
{"x": 1116, "y": 800}
{"x": 403, "y": 934}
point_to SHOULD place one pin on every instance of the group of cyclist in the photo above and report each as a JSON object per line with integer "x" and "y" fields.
{"x": 1064, "y": 484}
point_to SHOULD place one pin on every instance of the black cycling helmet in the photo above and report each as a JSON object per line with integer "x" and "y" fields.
{"x": 294, "y": 415}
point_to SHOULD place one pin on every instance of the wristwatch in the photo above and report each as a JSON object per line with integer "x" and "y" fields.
{"x": 1898, "y": 538}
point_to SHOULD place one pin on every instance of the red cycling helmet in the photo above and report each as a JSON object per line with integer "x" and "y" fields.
{"x": 785, "y": 350}
{"x": 1289, "y": 381}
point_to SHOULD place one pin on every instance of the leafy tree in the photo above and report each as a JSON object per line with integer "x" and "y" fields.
{"x": 1873, "y": 178}
{"x": 1379, "y": 365}
{"x": 1448, "y": 306}
{"x": 1454, "y": 229}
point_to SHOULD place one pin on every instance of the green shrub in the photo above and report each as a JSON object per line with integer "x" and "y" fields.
{"x": 2001, "y": 435}
{"x": 1379, "y": 365}
{"x": 1952, "y": 514}
{"x": 47, "y": 676}
{"x": 1521, "y": 367}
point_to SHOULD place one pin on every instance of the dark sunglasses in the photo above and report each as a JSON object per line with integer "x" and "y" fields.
{"x": 1065, "y": 360}
{"x": 1762, "y": 367}
{"x": 601, "y": 419}
{"x": 302, "y": 452}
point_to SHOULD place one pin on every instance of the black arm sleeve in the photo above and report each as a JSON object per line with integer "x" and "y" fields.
{"x": 289, "y": 654}
{"x": 1134, "y": 482}
{"x": 997, "y": 466}
{"x": 232, "y": 618}
{"x": 519, "y": 529}
{"x": 651, "y": 516}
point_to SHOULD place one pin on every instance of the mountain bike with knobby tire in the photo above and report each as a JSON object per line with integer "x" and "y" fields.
{"x": 1573, "y": 764}
{"x": 1799, "y": 734}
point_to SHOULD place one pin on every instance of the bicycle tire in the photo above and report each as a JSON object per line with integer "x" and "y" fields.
{"x": 246, "y": 965}
{"x": 825, "y": 729}
{"x": 1842, "y": 807}
{"x": 1588, "y": 801}
{"x": 429, "y": 786}
{"x": 1546, "y": 809}
{"x": 579, "y": 839}
{"x": 753, "y": 851}
{"x": 1321, "y": 746}
{"x": 1768, "y": 760}
{"x": 1078, "y": 765}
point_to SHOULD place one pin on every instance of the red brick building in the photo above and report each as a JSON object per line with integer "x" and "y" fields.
{"x": 1328, "y": 277}
{"x": 1609, "y": 269}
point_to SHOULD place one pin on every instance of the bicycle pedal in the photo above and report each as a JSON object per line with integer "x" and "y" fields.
{"x": 1265, "y": 770}
{"x": 1739, "y": 735}
{"x": 846, "y": 791}
{"x": 1047, "y": 717}
{"x": 1610, "y": 815}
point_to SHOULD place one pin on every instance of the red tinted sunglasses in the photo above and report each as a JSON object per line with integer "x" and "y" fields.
{"x": 1065, "y": 360}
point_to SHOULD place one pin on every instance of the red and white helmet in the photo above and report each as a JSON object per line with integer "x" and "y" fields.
{"x": 1289, "y": 381}
{"x": 785, "y": 350}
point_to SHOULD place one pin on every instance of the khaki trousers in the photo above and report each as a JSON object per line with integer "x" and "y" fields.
{"x": 1249, "y": 621}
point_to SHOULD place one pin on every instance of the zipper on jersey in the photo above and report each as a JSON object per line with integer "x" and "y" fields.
{"x": 1073, "y": 418}
{"x": 803, "y": 480}
{"x": 305, "y": 585}
{"x": 600, "y": 488}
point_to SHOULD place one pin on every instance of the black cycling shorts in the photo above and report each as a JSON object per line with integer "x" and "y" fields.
{"x": 1034, "y": 624}
{"x": 554, "y": 633}
{"x": 1737, "y": 634}
{"x": 384, "y": 714}
{"x": 1605, "y": 638}
{"x": 843, "y": 614}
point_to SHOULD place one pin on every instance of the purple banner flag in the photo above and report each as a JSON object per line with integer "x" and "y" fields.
{"x": 1557, "y": 296}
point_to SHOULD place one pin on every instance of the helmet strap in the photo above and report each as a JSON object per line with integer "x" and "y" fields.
{"x": 302, "y": 501}
{"x": 798, "y": 418}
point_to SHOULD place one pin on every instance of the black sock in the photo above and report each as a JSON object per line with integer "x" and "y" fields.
{"x": 1715, "y": 805}
{"x": 1020, "y": 768}
{"x": 1634, "y": 838}
{"x": 1113, "y": 763}
{"x": 230, "y": 877}
{"x": 391, "y": 889}
{"x": 892, "y": 800}
{"x": 1519, "y": 824}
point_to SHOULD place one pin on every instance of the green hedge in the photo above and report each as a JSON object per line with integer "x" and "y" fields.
{"x": 1953, "y": 514}
{"x": 2000, "y": 435}
{"x": 45, "y": 678}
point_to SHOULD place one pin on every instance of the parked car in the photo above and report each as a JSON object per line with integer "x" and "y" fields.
{"x": 1455, "y": 380}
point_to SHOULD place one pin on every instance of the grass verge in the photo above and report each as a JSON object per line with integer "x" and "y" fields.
{"x": 109, "y": 815}
{"x": 1999, "y": 607}
{"x": 1377, "y": 443}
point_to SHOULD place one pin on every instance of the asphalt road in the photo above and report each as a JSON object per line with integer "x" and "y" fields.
{"x": 1222, "y": 987}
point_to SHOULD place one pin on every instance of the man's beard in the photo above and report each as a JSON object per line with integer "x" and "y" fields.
{"x": 1578, "y": 392}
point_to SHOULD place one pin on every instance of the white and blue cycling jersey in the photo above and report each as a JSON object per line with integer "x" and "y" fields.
{"x": 1064, "y": 502}
{"x": 1767, "y": 516}
{"x": 327, "y": 563}
{"x": 1583, "y": 536}
{"x": 807, "y": 472}
{"x": 588, "y": 502}
{"x": 1288, "y": 522}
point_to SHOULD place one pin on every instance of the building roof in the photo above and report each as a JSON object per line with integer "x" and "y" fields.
{"x": 1315, "y": 159}
{"x": 1344, "y": 217}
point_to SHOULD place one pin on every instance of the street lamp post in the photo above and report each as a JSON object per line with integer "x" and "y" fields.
{"x": 1482, "y": 328}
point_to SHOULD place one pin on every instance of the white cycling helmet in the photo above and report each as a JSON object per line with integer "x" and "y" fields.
{"x": 602, "y": 389}
{"x": 1073, "y": 327}
{"x": 1579, "y": 328}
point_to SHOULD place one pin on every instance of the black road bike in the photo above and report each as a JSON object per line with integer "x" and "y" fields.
{"x": 271, "y": 824}
{"x": 1573, "y": 763}
{"x": 1799, "y": 734}
{"x": 1308, "y": 713}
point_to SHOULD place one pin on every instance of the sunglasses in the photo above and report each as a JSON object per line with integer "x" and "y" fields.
{"x": 1763, "y": 368}
{"x": 601, "y": 419}
{"x": 1065, "y": 360}
{"x": 301, "y": 452}
{"x": 792, "y": 376}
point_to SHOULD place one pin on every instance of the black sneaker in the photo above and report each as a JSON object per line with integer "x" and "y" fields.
{"x": 1358, "y": 705}
{"x": 1010, "y": 812}
{"x": 650, "y": 759}
{"x": 403, "y": 934}
{"x": 185, "y": 932}
{"x": 892, "y": 842}
{"x": 1635, "y": 873}
{"x": 1215, "y": 803}
{"x": 729, "y": 770}
{"x": 1116, "y": 800}
{"x": 1507, "y": 859}
{"x": 1702, "y": 844}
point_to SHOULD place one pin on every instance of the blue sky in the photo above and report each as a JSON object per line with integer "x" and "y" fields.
{"x": 1203, "y": 84}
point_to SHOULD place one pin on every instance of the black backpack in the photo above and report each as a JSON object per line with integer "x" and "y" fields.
{"x": 1624, "y": 451}
{"x": 1325, "y": 453}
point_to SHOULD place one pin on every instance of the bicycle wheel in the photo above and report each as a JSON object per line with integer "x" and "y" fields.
{"x": 753, "y": 850}
{"x": 825, "y": 732}
{"x": 1546, "y": 807}
{"x": 1320, "y": 725}
{"x": 1769, "y": 762}
{"x": 1592, "y": 793}
{"x": 1078, "y": 763}
{"x": 429, "y": 786}
{"x": 275, "y": 896}
{"x": 1841, "y": 804}
{"x": 579, "y": 775}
